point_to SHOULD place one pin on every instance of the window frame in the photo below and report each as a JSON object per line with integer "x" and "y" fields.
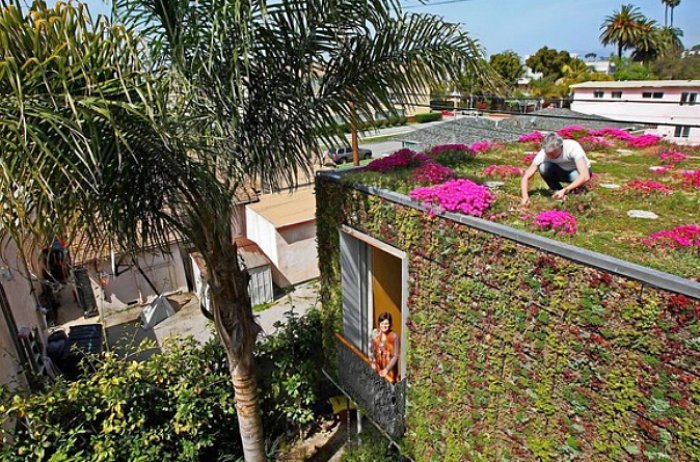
{"x": 598, "y": 94}
{"x": 616, "y": 94}
{"x": 681, "y": 131}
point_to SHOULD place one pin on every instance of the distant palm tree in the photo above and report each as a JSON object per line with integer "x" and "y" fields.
{"x": 621, "y": 28}
{"x": 648, "y": 44}
{"x": 672, "y": 4}
{"x": 671, "y": 42}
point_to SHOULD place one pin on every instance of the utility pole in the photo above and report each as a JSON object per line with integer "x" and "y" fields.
{"x": 353, "y": 132}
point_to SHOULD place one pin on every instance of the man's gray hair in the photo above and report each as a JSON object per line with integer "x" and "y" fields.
{"x": 552, "y": 142}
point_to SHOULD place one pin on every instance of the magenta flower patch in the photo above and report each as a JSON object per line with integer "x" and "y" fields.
{"x": 450, "y": 148}
{"x": 649, "y": 187}
{"x": 687, "y": 236}
{"x": 432, "y": 173}
{"x": 461, "y": 195}
{"x": 400, "y": 159}
{"x": 527, "y": 160}
{"x": 592, "y": 143}
{"x": 643, "y": 141}
{"x": 481, "y": 147}
{"x": 691, "y": 178}
{"x": 534, "y": 137}
{"x": 502, "y": 171}
{"x": 672, "y": 157}
{"x": 560, "y": 221}
{"x": 614, "y": 133}
{"x": 572, "y": 132}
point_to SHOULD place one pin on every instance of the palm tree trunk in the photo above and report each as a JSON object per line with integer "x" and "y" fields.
{"x": 672, "y": 8}
{"x": 234, "y": 321}
{"x": 619, "y": 50}
{"x": 666, "y": 16}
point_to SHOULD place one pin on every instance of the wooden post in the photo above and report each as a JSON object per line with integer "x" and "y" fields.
{"x": 353, "y": 132}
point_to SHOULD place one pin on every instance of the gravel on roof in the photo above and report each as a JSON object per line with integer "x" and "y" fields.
{"x": 472, "y": 129}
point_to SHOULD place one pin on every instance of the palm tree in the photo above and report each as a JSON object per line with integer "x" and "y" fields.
{"x": 648, "y": 43}
{"x": 621, "y": 28}
{"x": 111, "y": 141}
{"x": 672, "y": 4}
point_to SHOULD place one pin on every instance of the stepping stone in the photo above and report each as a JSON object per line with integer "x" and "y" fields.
{"x": 610, "y": 186}
{"x": 494, "y": 184}
{"x": 642, "y": 214}
{"x": 624, "y": 151}
{"x": 656, "y": 168}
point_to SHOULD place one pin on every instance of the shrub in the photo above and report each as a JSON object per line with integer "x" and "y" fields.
{"x": 427, "y": 117}
{"x": 450, "y": 154}
{"x": 175, "y": 406}
{"x": 403, "y": 120}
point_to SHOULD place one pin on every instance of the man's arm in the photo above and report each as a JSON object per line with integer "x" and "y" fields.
{"x": 583, "y": 177}
{"x": 524, "y": 184}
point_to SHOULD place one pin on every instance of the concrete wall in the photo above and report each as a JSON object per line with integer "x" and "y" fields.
{"x": 263, "y": 233}
{"x": 297, "y": 254}
{"x": 633, "y": 107}
{"x": 17, "y": 288}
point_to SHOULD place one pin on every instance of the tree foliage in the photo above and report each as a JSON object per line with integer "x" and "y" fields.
{"x": 508, "y": 66}
{"x": 549, "y": 62}
{"x": 621, "y": 28}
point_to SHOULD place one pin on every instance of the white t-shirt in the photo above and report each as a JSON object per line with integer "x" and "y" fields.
{"x": 571, "y": 151}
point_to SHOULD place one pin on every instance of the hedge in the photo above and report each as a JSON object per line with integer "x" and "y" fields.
{"x": 427, "y": 117}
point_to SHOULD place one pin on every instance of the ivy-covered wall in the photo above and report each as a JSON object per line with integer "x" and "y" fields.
{"x": 517, "y": 354}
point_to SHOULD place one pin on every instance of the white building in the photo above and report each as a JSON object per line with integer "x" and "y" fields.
{"x": 671, "y": 105}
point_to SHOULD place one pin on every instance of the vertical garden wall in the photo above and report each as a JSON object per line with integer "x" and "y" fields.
{"x": 520, "y": 348}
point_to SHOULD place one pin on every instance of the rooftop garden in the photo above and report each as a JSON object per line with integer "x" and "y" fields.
{"x": 641, "y": 205}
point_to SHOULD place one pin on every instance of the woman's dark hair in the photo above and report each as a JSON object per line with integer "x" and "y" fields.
{"x": 385, "y": 317}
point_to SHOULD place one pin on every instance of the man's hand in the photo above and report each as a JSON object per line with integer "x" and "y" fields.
{"x": 524, "y": 202}
{"x": 559, "y": 195}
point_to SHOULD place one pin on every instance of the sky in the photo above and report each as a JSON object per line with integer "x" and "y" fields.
{"x": 525, "y": 26}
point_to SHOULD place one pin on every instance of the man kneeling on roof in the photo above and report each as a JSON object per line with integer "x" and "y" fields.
{"x": 558, "y": 161}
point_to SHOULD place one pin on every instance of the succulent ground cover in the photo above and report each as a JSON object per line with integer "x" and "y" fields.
{"x": 631, "y": 172}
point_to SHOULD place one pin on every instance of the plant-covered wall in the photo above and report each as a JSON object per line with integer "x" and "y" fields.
{"x": 518, "y": 354}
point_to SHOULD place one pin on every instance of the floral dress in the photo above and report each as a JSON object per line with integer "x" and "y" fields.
{"x": 383, "y": 352}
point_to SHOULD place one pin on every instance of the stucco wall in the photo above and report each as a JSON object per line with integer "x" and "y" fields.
{"x": 263, "y": 233}
{"x": 297, "y": 253}
{"x": 17, "y": 287}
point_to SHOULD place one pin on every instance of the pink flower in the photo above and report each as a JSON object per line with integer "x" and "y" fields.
{"x": 461, "y": 195}
{"x": 534, "y": 137}
{"x": 591, "y": 143}
{"x": 614, "y": 133}
{"x": 432, "y": 173}
{"x": 502, "y": 171}
{"x": 649, "y": 187}
{"x": 560, "y": 221}
{"x": 573, "y": 132}
{"x": 527, "y": 160}
{"x": 451, "y": 149}
{"x": 691, "y": 178}
{"x": 672, "y": 157}
{"x": 662, "y": 170}
{"x": 680, "y": 236}
{"x": 482, "y": 146}
{"x": 400, "y": 159}
{"x": 643, "y": 141}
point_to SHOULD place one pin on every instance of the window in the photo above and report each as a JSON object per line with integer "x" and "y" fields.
{"x": 658, "y": 95}
{"x": 681, "y": 132}
{"x": 689, "y": 98}
{"x": 616, "y": 94}
{"x": 646, "y": 94}
{"x": 598, "y": 94}
{"x": 374, "y": 279}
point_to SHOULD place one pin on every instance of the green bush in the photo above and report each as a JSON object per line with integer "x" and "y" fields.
{"x": 403, "y": 120}
{"x": 175, "y": 406}
{"x": 428, "y": 117}
{"x": 373, "y": 447}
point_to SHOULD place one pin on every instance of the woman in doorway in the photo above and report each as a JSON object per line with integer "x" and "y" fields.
{"x": 385, "y": 349}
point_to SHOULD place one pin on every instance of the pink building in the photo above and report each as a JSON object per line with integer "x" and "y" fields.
{"x": 672, "y": 105}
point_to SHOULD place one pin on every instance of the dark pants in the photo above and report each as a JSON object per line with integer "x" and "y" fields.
{"x": 553, "y": 174}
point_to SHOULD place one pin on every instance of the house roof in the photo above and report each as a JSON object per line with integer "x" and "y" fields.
{"x": 639, "y": 84}
{"x": 287, "y": 208}
{"x": 252, "y": 255}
